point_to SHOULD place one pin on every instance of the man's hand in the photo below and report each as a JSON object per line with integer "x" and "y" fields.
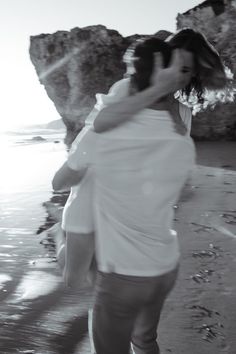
{"x": 65, "y": 177}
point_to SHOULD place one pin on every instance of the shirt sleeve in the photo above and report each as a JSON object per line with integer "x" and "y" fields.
{"x": 119, "y": 90}
{"x": 81, "y": 155}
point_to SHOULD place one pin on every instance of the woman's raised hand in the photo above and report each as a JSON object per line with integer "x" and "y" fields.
{"x": 172, "y": 76}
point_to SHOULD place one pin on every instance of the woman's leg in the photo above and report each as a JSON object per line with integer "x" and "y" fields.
{"x": 79, "y": 253}
{"x": 60, "y": 240}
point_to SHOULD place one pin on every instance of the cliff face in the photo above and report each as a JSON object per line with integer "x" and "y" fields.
{"x": 217, "y": 20}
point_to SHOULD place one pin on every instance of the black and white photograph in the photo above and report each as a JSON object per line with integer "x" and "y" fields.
{"x": 118, "y": 177}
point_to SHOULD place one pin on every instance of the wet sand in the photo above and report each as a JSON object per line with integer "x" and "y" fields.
{"x": 200, "y": 314}
{"x": 39, "y": 315}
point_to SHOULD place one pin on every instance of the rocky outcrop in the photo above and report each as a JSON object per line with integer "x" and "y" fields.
{"x": 217, "y": 20}
{"x": 217, "y": 23}
{"x": 73, "y": 66}
{"x": 215, "y": 124}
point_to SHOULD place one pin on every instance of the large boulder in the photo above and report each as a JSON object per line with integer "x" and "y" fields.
{"x": 75, "y": 65}
{"x": 215, "y": 124}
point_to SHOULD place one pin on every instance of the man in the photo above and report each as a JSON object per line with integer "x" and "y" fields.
{"x": 139, "y": 168}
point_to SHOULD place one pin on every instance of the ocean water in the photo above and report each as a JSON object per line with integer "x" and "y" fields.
{"x": 27, "y": 168}
{"x": 36, "y": 309}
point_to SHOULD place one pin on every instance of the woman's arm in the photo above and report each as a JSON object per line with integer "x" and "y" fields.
{"x": 163, "y": 81}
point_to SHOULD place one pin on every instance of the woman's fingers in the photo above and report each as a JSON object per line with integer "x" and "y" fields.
{"x": 158, "y": 65}
{"x": 172, "y": 76}
{"x": 158, "y": 61}
{"x": 176, "y": 60}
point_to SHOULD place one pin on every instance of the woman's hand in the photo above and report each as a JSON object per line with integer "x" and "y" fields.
{"x": 173, "y": 76}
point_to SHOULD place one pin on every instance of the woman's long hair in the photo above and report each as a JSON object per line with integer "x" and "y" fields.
{"x": 139, "y": 59}
{"x": 209, "y": 69}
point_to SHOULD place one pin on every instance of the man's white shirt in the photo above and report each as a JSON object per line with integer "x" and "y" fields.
{"x": 139, "y": 170}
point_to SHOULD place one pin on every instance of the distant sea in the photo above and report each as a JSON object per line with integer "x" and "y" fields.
{"x": 29, "y": 159}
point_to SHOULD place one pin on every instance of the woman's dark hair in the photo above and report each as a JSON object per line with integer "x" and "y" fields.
{"x": 140, "y": 59}
{"x": 209, "y": 70}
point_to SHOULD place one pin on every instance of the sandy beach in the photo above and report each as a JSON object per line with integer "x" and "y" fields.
{"x": 39, "y": 315}
{"x": 200, "y": 315}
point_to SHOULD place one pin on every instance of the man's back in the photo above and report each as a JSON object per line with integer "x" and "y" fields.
{"x": 141, "y": 167}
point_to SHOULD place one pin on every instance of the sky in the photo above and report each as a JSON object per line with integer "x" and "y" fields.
{"x": 23, "y": 100}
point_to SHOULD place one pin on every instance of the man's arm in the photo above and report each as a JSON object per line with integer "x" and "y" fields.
{"x": 65, "y": 177}
{"x": 163, "y": 82}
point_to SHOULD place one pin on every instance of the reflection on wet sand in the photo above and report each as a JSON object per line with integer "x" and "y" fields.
{"x": 37, "y": 313}
{"x": 35, "y": 284}
{"x": 38, "y": 303}
{"x": 4, "y": 278}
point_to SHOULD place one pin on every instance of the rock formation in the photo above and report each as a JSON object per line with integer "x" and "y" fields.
{"x": 75, "y": 65}
{"x": 217, "y": 20}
